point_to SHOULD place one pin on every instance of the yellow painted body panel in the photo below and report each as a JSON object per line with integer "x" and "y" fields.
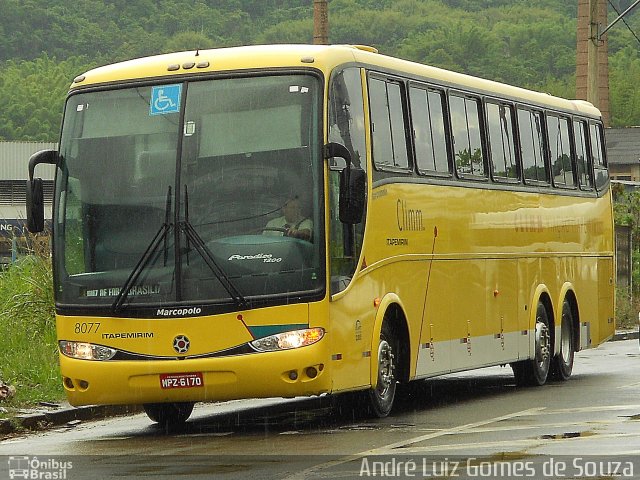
{"x": 226, "y": 330}
{"x": 225, "y": 378}
{"x": 487, "y": 256}
{"x": 321, "y": 57}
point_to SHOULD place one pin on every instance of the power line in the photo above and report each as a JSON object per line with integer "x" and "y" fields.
{"x": 624, "y": 21}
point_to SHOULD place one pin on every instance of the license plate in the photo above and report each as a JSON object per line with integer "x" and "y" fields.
{"x": 181, "y": 380}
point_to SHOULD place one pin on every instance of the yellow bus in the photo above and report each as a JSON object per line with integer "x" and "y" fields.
{"x": 281, "y": 221}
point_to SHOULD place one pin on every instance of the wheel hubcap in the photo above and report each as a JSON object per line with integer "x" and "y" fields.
{"x": 543, "y": 342}
{"x": 385, "y": 368}
{"x": 565, "y": 346}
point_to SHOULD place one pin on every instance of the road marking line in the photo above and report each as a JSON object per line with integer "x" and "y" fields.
{"x": 403, "y": 444}
{"x": 450, "y": 431}
{"x": 506, "y": 443}
{"x": 457, "y": 446}
{"x": 628, "y": 453}
{"x": 589, "y": 423}
{"x": 601, "y": 408}
{"x": 630, "y": 385}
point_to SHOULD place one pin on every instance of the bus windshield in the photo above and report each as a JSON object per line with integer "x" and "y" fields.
{"x": 201, "y": 192}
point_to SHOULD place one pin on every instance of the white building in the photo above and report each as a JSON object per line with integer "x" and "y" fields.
{"x": 14, "y": 171}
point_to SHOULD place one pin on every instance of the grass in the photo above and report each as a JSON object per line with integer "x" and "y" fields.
{"x": 627, "y": 308}
{"x": 28, "y": 351}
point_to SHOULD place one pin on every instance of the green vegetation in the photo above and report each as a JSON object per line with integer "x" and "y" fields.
{"x": 45, "y": 44}
{"x": 626, "y": 210}
{"x": 28, "y": 353}
{"x": 627, "y": 307}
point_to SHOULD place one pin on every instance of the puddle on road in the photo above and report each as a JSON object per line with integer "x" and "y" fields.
{"x": 562, "y": 436}
{"x": 359, "y": 427}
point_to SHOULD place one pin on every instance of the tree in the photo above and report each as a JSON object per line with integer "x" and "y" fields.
{"x": 624, "y": 93}
{"x": 523, "y": 43}
{"x": 34, "y": 92}
{"x": 188, "y": 41}
{"x": 626, "y": 211}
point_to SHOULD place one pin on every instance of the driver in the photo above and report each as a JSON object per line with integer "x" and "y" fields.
{"x": 292, "y": 223}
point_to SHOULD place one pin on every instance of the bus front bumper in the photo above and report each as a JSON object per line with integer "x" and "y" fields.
{"x": 289, "y": 373}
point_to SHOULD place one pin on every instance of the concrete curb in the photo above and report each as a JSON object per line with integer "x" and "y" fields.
{"x": 66, "y": 415}
{"x": 71, "y": 416}
{"x": 625, "y": 335}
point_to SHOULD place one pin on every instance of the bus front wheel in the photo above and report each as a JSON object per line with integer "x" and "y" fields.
{"x": 536, "y": 370}
{"x": 382, "y": 395}
{"x": 169, "y": 414}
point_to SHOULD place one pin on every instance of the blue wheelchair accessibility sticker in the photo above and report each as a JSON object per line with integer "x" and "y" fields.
{"x": 165, "y": 99}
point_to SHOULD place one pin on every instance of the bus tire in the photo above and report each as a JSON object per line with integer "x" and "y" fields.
{"x": 382, "y": 395}
{"x": 562, "y": 364}
{"x": 169, "y": 415}
{"x": 535, "y": 371}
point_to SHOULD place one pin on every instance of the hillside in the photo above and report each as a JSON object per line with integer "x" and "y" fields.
{"x": 45, "y": 43}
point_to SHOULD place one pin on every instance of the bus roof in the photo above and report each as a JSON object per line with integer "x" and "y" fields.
{"x": 322, "y": 57}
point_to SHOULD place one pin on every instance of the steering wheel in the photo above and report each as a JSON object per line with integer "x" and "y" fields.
{"x": 275, "y": 229}
{"x": 286, "y": 233}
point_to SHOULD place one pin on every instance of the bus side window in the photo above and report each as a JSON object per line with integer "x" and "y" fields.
{"x": 502, "y": 141}
{"x": 466, "y": 132}
{"x": 388, "y": 129}
{"x": 582, "y": 157}
{"x": 532, "y": 146}
{"x": 597, "y": 154}
{"x": 346, "y": 110}
{"x": 560, "y": 149}
{"x": 430, "y": 140}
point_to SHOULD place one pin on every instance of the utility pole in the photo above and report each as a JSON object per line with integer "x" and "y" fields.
{"x": 592, "y": 61}
{"x": 593, "y": 80}
{"x": 320, "y": 22}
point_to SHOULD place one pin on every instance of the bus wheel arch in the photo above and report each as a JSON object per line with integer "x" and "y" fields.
{"x": 396, "y": 319}
{"x": 389, "y": 357}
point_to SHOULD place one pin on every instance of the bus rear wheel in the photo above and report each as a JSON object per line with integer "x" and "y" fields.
{"x": 562, "y": 364}
{"x": 382, "y": 395}
{"x": 169, "y": 415}
{"x": 535, "y": 371}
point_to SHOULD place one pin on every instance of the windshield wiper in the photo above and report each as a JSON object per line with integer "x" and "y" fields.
{"x": 160, "y": 237}
{"x": 194, "y": 238}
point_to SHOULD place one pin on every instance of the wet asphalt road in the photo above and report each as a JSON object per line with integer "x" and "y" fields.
{"x": 459, "y": 426}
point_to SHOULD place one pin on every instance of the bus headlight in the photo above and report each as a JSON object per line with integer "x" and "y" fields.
{"x": 288, "y": 340}
{"x": 86, "y": 351}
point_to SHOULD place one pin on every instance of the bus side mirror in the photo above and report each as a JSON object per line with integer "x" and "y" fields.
{"x": 35, "y": 205}
{"x": 353, "y": 185}
{"x": 35, "y": 191}
{"x": 353, "y": 189}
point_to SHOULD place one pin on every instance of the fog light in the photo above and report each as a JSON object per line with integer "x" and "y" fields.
{"x": 312, "y": 372}
{"x": 293, "y": 375}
